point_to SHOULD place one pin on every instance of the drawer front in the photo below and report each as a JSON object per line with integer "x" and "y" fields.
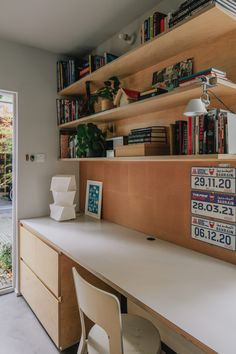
{"x": 41, "y": 258}
{"x": 42, "y": 302}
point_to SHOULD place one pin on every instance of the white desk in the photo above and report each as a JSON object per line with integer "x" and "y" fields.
{"x": 193, "y": 293}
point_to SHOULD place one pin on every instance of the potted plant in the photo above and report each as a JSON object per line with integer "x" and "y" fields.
{"x": 106, "y": 94}
{"x": 90, "y": 141}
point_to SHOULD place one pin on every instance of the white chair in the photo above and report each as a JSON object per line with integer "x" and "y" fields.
{"x": 112, "y": 333}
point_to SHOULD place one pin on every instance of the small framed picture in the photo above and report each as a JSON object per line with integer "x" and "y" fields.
{"x": 93, "y": 201}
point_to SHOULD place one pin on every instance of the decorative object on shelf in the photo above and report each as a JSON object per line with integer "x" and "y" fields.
{"x": 168, "y": 78}
{"x": 63, "y": 188}
{"x": 125, "y": 96}
{"x": 106, "y": 94}
{"x": 90, "y": 141}
{"x": 68, "y": 142}
{"x": 93, "y": 201}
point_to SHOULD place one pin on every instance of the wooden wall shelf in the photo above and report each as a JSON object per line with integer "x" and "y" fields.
{"x": 206, "y": 25}
{"x": 179, "y": 96}
{"x": 169, "y": 158}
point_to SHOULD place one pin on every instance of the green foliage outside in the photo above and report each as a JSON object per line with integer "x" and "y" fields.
{"x": 6, "y": 148}
{"x": 6, "y": 256}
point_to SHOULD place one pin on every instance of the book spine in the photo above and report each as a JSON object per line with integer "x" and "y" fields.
{"x": 201, "y": 134}
{"x": 210, "y": 135}
{"x": 197, "y": 135}
{"x": 145, "y": 30}
{"x": 190, "y": 147}
{"x": 151, "y": 27}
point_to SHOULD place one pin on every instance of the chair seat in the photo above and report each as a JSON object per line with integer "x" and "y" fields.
{"x": 140, "y": 336}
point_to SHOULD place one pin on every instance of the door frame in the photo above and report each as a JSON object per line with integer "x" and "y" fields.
{"x": 15, "y": 247}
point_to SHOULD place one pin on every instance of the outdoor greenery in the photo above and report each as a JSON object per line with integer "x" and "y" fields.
{"x": 6, "y": 147}
{"x": 91, "y": 141}
{"x": 6, "y": 256}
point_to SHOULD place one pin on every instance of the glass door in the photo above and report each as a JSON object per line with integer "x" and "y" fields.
{"x": 6, "y": 189}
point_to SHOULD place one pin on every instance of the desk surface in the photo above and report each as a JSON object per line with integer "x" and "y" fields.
{"x": 194, "y": 293}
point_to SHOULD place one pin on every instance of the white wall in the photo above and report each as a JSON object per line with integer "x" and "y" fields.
{"x": 117, "y": 46}
{"x": 32, "y": 73}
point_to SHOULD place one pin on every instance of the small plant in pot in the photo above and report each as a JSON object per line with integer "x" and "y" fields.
{"x": 106, "y": 94}
{"x": 90, "y": 141}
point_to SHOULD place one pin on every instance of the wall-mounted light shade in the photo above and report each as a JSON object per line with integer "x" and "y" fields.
{"x": 195, "y": 107}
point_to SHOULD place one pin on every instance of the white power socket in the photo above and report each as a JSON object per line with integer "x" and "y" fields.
{"x": 39, "y": 157}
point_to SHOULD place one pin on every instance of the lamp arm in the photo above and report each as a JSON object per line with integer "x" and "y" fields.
{"x": 220, "y": 100}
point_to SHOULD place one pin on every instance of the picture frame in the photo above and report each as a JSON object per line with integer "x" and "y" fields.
{"x": 93, "y": 202}
{"x": 168, "y": 78}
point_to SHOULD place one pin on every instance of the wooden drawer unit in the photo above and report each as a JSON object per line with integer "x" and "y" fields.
{"x": 46, "y": 282}
{"x": 42, "y": 302}
{"x": 42, "y": 259}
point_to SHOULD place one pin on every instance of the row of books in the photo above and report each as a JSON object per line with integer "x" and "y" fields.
{"x": 68, "y": 144}
{"x": 154, "y": 134}
{"x": 94, "y": 62}
{"x": 71, "y": 70}
{"x": 67, "y": 72}
{"x": 190, "y": 7}
{"x": 205, "y": 134}
{"x": 69, "y": 110}
{"x": 153, "y": 26}
{"x": 211, "y": 73}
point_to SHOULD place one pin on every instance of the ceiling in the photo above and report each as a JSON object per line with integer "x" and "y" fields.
{"x": 67, "y": 26}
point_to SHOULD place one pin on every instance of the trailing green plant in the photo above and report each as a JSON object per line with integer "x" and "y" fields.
{"x": 6, "y": 256}
{"x": 90, "y": 140}
{"x": 109, "y": 90}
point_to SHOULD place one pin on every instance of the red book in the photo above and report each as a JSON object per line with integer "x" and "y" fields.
{"x": 162, "y": 25}
{"x": 190, "y": 136}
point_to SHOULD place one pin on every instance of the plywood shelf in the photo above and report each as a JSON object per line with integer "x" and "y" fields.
{"x": 171, "y": 158}
{"x": 178, "y": 97}
{"x": 208, "y": 24}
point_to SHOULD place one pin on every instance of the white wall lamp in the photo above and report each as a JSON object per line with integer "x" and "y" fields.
{"x": 129, "y": 39}
{"x": 198, "y": 106}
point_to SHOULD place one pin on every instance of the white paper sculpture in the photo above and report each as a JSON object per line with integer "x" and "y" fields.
{"x": 63, "y": 189}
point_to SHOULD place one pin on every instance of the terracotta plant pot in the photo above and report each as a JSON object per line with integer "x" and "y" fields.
{"x": 106, "y": 104}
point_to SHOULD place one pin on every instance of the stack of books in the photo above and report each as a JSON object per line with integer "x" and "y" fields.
{"x": 155, "y": 134}
{"x": 190, "y": 7}
{"x": 153, "y": 26}
{"x": 206, "y": 134}
{"x": 152, "y": 92}
{"x": 69, "y": 110}
{"x": 211, "y": 73}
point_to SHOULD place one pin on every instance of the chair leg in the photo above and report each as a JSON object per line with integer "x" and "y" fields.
{"x": 82, "y": 347}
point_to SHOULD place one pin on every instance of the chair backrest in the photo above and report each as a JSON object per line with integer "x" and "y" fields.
{"x": 102, "y": 308}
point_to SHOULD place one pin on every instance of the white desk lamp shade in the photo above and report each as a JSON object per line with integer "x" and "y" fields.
{"x": 195, "y": 107}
